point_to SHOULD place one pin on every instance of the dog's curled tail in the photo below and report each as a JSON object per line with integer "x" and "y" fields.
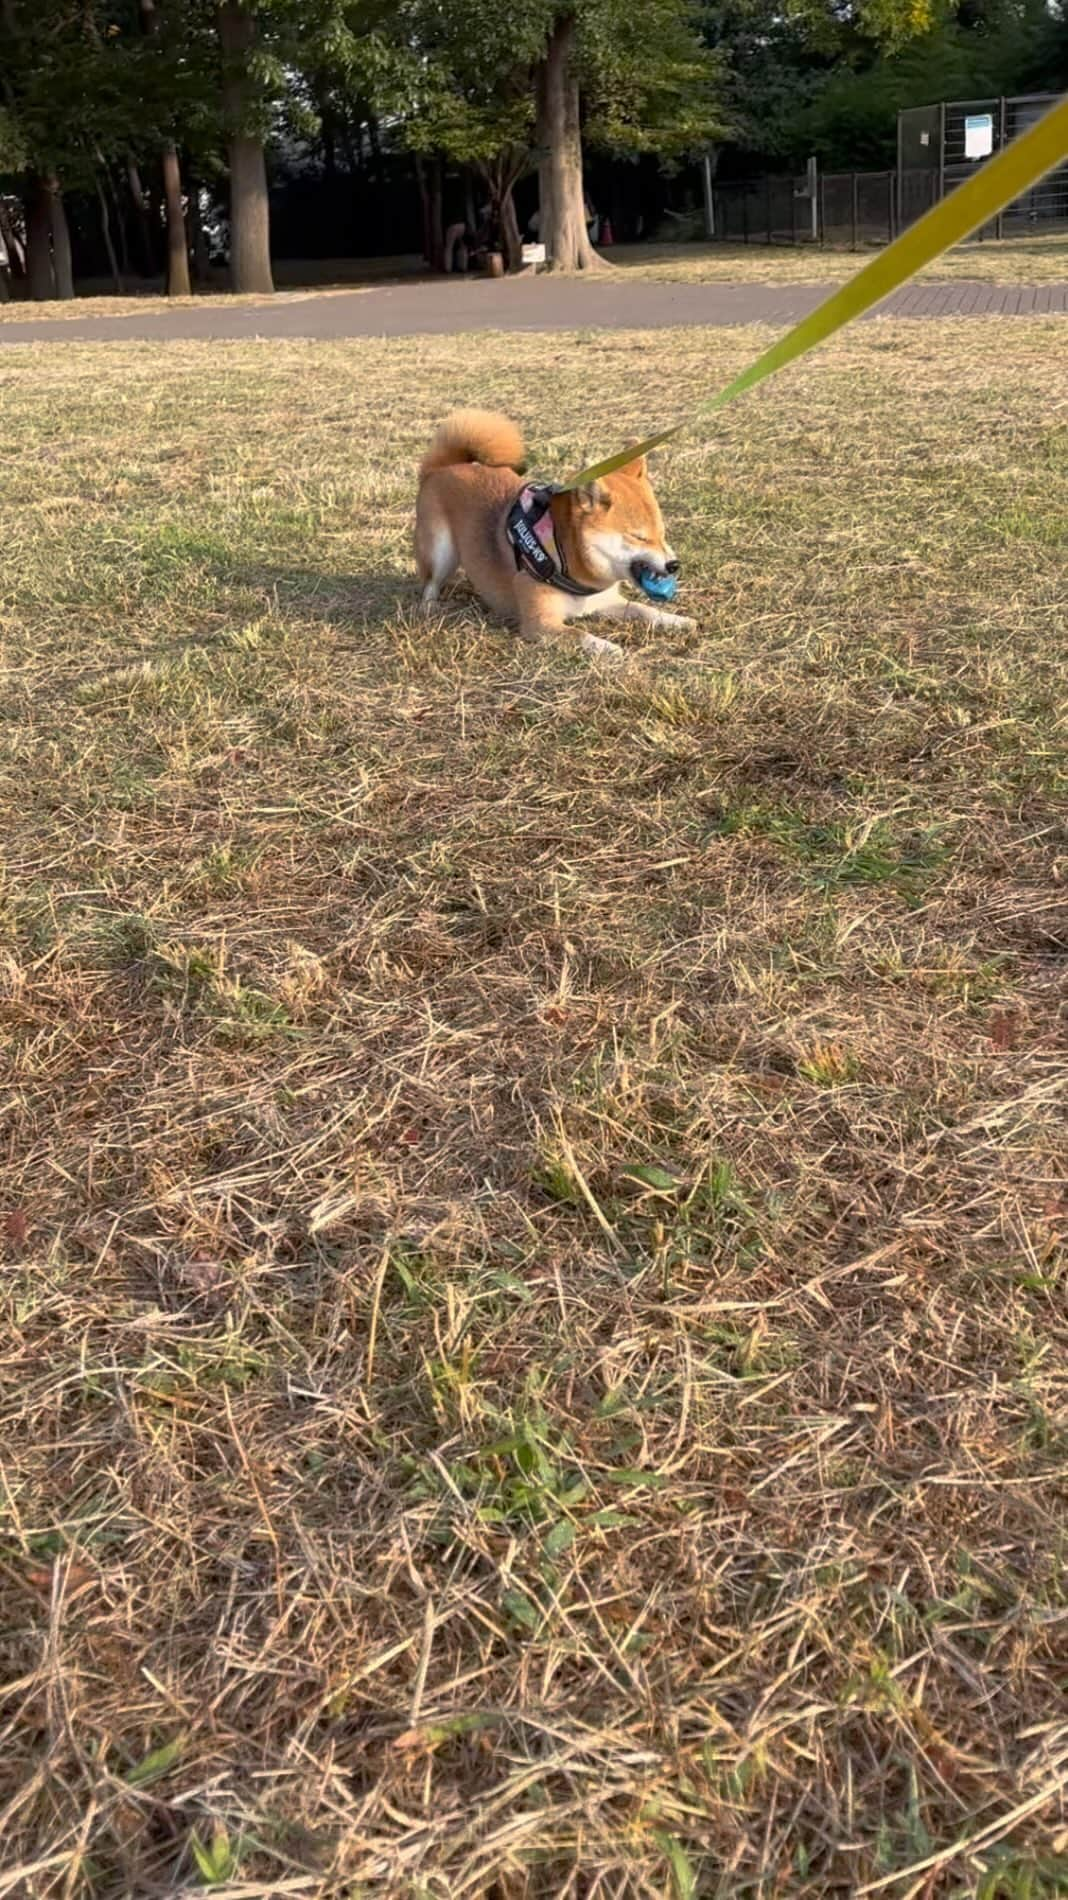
{"x": 474, "y": 435}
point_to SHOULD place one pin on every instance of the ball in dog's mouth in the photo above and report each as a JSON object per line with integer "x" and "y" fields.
{"x": 657, "y": 586}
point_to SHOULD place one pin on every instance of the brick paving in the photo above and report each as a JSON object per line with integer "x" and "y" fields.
{"x": 526, "y": 303}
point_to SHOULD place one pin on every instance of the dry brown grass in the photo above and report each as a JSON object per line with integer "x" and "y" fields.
{"x": 1038, "y": 260}
{"x": 532, "y": 1221}
{"x": 152, "y": 303}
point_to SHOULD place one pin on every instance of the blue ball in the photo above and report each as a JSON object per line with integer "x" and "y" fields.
{"x": 657, "y": 586}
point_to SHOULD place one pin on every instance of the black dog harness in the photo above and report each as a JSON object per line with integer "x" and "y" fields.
{"x": 532, "y": 537}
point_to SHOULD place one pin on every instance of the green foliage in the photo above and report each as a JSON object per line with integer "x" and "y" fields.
{"x": 650, "y": 83}
{"x": 827, "y": 79}
{"x": 996, "y": 49}
{"x": 12, "y": 143}
{"x": 460, "y": 79}
{"x": 85, "y": 86}
{"x": 68, "y": 85}
{"x": 468, "y": 69}
{"x": 82, "y": 87}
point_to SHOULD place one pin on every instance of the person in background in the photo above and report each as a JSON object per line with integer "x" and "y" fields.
{"x": 484, "y": 239}
{"x": 456, "y": 247}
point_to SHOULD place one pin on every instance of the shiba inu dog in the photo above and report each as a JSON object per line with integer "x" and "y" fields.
{"x": 543, "y": 557}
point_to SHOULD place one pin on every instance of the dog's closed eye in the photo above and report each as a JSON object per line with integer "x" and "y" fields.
{"x": 594, "y": 496}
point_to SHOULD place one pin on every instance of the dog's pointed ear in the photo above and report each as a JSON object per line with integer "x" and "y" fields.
{"x": 593, "y": 495}
{"x": 639, "y": 468}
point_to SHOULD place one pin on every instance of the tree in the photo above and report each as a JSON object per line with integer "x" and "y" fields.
{"x": 829, "y": 78}
{"x": 177, "y": 237}
{"x": 501, "y": 85}
{"x": 70, "y": 85}
{"x": 45, "y": 69}
{"x": 647, "y": 82}
{"x": 991, "y": 48}
{"x": 562, "y": 199}
{"x": 40, "y": 271}
{"x": 250, "y": 224}
{"x": 773, "y": 63}
{"x": 461, "y": 81}
{"x": 267, "y": 45}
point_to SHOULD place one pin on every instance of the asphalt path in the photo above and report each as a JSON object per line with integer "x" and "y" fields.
{"x": 542, "y": 302}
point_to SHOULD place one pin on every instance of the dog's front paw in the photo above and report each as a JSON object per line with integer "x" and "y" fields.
{"x": 602, "y": 649}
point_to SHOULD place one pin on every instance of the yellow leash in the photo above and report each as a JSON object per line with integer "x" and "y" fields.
{"x": 1014, "y": 169}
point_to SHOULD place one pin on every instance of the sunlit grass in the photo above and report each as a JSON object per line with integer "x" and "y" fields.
{"x": 531, "y": 1232}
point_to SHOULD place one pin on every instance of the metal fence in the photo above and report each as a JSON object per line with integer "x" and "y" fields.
{"x": 938, "y": 147}
{"x": 836, "y": 208}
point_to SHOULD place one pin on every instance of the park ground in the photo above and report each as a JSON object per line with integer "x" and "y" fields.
{"x": 1035, "y": 260}
{"x": 531, "y": 1231}
{"x": 1023, "y": 261}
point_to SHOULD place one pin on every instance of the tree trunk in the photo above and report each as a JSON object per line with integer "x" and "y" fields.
{"x": 424, "y": 203}
{"x": 144, "y": 223}
{"x": 353, "y": 151}
{"x": 61, "y": 258}
{"x": 105, "y": 227}
{"x": 499, "y": 176}
{"x": 39, "y": 273}
{"x": 511, "y": 242}
{"x": 120, "y": 224}
{"x": 329, "y": 138}
{"x": 250, "y": 220}
{"x": 352, "y": 147}
{"x": 437, "y": 220}
{"x": 5, "y": 287}
{"x": 376, "y": 150}
{"x": 430, "y": 201}
{"x": 250, "y": 225}
{"x": 562, "y": 219}
{"x": 177, "y": 244}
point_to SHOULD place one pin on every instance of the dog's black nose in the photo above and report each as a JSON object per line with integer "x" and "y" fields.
{"x": 671, "y": 567}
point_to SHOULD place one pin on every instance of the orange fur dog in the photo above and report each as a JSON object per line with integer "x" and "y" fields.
{"x": 468, "y": 482}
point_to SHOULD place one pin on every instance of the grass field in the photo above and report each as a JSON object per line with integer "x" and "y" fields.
{"x": 1039, "y": 260}
{"x": 532, "y": 1220}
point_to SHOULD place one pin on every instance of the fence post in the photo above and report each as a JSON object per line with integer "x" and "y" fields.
{"x": 941, "y": 151}
{"x": 853, "y": 210}
{"x": 999, "y": 223}
{"x": 710, "y": 203}
{"x": 793, "y": 211}
{"x": 815, "y": 197}
{"x": 891, "y": 201}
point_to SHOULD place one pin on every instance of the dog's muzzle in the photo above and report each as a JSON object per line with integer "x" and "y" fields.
{"x": 656, "y": 583}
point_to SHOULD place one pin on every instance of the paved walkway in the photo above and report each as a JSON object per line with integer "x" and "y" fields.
{"x": 525, "y": 303}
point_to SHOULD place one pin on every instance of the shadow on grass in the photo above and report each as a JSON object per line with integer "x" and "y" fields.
{"x": 331, "y": 598}
{"x": 359, "y": 600}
